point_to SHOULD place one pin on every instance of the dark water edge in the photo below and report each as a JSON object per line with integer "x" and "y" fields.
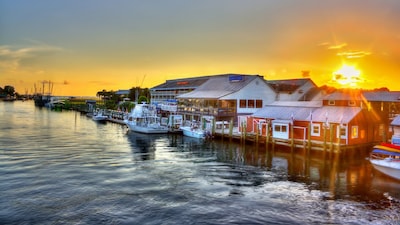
{"x": 64, "y": 168}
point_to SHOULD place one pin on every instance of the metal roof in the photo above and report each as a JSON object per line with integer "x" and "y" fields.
{"x": 396, "y": 121}
{"x": 187, "y": 83}
{"x": 288, "y": 85}
{"x": 284, "y": 112}
{"x": 371, "y": 96}
{"x": 382, "y": 96}
{"x": 333, "y": 114}
{"x": 218, "y": 86}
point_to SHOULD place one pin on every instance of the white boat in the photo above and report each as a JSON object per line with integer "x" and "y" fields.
{"x": 144, "y": 119}
{"x": 386, "y": 159}
{"x": 99, "y": 116}
{"x": 197, "y": 129}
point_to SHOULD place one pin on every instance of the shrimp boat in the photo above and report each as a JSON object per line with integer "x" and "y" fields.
{"x": 144, "y": 119}
{"x": 386, "y": 159}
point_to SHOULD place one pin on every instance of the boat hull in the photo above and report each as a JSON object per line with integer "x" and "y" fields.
{"x": 386, "y": 160}
{"x": 195, "y": 133}
{"x": 147, "y": 130}
{"x": 387, "y": 169}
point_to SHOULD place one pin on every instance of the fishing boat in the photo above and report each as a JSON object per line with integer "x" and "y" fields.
{"x": 196, "y": 129}
{"x": 386, "y": 159}
{"x": 99, "y": 116}
{"x": 144, "y": 119}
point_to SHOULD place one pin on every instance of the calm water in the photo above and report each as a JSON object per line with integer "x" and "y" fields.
{"x": 64, "y": 168}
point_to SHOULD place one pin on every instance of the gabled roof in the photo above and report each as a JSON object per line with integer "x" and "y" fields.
{"x": 218, "y": 86}
{"x": 186, "y": 83}
{"x": 331, "y": 114}
{"x": 288, "y": 85}
{"x": 370, "y": 96}
{"x": 382, "y": 96}
{"x": 287, "y": 110}
{"x": 122, "y": 92}
{"x": 334, "y": 114}
{"x": 347, "y": 95}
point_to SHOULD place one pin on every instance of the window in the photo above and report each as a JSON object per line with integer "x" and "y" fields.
{"x": 331, "y": 102}
{"x": 258, "y": 103}
{"x": 316, "y": 129}
{"x": 280, "y": 131}
{"x": 352, "y": 103}
{"x": 341, "y": 132}
{"x": 242, "y": 103}
{"x": 250, "y": 103}
{"x": 354, "y": 132}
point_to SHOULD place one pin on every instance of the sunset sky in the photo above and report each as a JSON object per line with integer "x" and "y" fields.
{"x": 87, "y": 46}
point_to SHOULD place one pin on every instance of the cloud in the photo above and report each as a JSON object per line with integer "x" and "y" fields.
{"x": 11, "y": 57}
{"x": 353, "y": 54}
{"x": 338, "y": 46}
{"x": 333, "y": 46}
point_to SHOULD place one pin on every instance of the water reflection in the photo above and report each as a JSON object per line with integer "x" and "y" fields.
{"x": 142, "y": 145}
{"x": 340, "y": 176}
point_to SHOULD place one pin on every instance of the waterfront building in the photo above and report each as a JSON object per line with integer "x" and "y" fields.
{"x": 168, "y": 91}
{"x": 225, "y": 97}
{"x": 395, "y": 124}
{"x": 343, "y": 118}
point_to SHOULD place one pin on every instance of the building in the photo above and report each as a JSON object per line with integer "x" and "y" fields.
{"x": 225, "y": 97}
{"x": 350, "y": 117}
{"x": 295, "y": 89}
{"x": 396, "y": 130}
{"x": 169, "y": 90}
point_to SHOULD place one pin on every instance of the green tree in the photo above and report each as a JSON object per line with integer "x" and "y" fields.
{"x": 9, "y": 90}
{"x": 142, "y": 99}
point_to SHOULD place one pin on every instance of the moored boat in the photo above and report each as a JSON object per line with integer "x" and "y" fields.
{"x": 99, "y": 116}
{"x": 143, "y": 119}
{"x": 386, "y": 160}
{"x": 198, "y": 130}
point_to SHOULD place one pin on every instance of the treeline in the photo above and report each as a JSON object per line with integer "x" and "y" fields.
{"x": 8, "y": 92}
{"x": 112, "y": 98}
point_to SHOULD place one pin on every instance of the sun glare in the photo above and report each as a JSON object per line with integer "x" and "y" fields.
{"x": 347, "y": 76}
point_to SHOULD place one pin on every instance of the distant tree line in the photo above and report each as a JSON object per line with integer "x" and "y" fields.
{"x": 111, "y": 98}
{"x": 8, "y": 92}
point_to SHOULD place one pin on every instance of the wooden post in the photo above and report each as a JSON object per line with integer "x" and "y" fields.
{"x": 230, "y": 129}
{"x": 257, "y": 131}
{"x": 339, "y": 139}
{"x": 292, "y": 137}
{"x": 309, "y": 138}
{"x": 223, "y": 130}
{"x": 213, "y": 127}
{"x": 331, "y": 133}
{"x": 266, "y": 135}
{"x": 325, "y": 128}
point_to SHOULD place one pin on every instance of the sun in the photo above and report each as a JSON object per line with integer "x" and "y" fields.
{"x": 347, "y": 76}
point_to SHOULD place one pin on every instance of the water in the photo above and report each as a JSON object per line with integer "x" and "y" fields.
{"x": 64, "y": 168}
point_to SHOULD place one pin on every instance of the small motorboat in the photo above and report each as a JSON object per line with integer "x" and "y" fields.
{"x": 99, "y": 116}
{"x": 386, "y": 159}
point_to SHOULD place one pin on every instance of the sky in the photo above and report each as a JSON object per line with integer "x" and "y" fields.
{"x": 83, "y": 47}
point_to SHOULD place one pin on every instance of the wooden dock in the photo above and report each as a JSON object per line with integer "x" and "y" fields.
{"x": 307, "y": 145}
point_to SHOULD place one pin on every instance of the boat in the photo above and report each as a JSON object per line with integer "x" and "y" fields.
{"x": 99, "y": 116}
{"x": 386, "y": 159}
{"x": 197, "y": 130}
{"x": 144, "y": 119}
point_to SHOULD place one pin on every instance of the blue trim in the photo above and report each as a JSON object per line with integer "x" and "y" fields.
{"x": 377, "y": 150}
